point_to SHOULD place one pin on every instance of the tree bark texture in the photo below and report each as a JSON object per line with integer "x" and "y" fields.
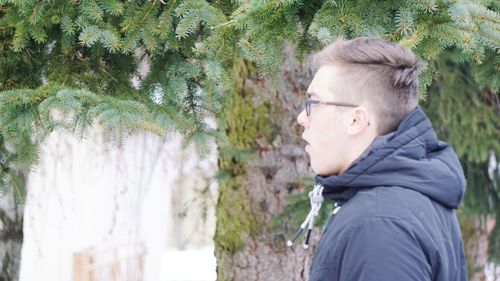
{"x": 11, "y": 236}
{"x": 475, "y": 232}
{"x": 261, "y": 118}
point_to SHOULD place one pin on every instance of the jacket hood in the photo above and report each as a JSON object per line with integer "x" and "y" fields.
{"x": 411, "y": 157}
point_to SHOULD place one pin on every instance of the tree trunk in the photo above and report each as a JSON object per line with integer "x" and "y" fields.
{"x": 11, "y": 236}
{"x": 475, "y": 232}
{"x": 261, "y": 118}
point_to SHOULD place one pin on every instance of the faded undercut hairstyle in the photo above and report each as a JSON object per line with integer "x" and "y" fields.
{"x": 378, "y": 71}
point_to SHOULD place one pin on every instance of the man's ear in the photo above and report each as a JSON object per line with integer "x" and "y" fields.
{"x": 359, "y": 121}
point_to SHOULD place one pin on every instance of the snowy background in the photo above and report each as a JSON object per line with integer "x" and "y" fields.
{"x": 134, "y": 206}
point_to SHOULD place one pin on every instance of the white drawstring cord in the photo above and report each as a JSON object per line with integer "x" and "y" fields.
{"x": 316, "y": 199}
{"x": 336, "y": 210}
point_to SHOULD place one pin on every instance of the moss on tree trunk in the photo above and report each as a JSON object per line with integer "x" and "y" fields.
{"x": 259, "y": 168}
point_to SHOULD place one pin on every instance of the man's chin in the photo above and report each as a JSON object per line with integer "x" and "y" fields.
{"x": 323, "y": 172}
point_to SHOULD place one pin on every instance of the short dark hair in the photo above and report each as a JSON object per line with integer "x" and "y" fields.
{"x": 382, "y": 72}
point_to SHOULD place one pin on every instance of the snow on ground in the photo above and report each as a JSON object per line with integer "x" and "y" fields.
{"x": 188, "y": 265}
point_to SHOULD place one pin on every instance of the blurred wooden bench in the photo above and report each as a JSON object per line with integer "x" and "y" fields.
{"x": 119, "y": 263}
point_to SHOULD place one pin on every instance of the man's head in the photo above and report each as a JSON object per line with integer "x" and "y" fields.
{"x": 377, "y": 79}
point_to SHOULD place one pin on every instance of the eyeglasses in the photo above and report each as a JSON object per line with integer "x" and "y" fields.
{"x": 308, "y": 102}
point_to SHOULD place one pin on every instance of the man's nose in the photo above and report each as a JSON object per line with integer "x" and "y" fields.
{"x": 303, "y": 119}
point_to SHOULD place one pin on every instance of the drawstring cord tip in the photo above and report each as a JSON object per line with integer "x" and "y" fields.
{"x": 308, "y": 236}
{"x": 295, "y": 236}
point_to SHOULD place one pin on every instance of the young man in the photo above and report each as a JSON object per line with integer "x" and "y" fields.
{"x": 377, "y": 156}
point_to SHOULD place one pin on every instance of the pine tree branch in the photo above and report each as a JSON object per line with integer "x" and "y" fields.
{"x": 493, "y": 21}
{"x": 210, "y": 85}
{"x": 134, "y": 33}
{"x": 34, "y": 14}
{"x": 103, "y": 67}
{"x": 7, "y": 26}
{"x": 169, "y": 11}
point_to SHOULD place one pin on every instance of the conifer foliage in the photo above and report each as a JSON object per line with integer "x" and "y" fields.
{"x": 78, "y": 57}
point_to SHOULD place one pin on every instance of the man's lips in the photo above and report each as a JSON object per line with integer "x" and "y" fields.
{"x": 304, "y": 138}
{"x": 307, "y": 143}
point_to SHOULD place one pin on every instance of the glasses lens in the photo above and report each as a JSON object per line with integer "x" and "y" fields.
{"x": 307, "y": 105}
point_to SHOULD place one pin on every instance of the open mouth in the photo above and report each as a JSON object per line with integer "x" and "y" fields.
{"x": 307, "y": 143}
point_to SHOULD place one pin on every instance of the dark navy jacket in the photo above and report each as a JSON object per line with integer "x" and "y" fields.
{"x": 397, "y": 221}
